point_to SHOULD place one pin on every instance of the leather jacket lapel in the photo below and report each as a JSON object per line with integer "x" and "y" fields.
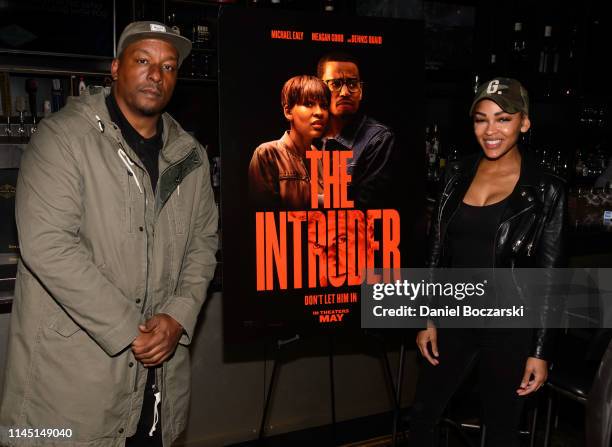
{"x": 518, "y": 219}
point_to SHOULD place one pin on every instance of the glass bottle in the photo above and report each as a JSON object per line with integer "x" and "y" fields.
{"x": 548, "y": 62}
{"x": 571, "y": 69}
{"x": 434, "y": 158}
{"x": 518, "y": 51}
{"x": 549, "y": 54}
{"x": 329, "y": 6}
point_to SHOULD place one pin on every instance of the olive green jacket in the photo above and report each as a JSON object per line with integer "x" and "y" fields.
{"x": 102, "y": 253}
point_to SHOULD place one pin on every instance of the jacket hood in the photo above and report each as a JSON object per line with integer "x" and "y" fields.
{"x": 92, "y": 108}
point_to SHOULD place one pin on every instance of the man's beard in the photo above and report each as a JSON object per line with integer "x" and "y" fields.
{"x": 150, "y": 111}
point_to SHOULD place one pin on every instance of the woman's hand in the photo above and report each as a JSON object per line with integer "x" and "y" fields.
{"x": 536, "y": 372}
{"x": 429, "y": 335}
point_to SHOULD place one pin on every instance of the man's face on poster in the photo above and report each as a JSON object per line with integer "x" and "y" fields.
{"x": 346, "y": 89}
{"x": 337, "y": 265}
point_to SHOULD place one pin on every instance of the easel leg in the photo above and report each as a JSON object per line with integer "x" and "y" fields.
{"x": 264, "y": 416}
{"x": 398, "y": 395}
{"x": 332, "y": 386}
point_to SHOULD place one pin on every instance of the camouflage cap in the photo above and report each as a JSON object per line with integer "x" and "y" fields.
{"x": 507, "y": 93}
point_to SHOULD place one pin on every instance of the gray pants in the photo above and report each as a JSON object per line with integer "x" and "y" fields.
{"x": 599, "y": 405}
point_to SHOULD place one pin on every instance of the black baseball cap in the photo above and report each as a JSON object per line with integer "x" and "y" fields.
{"x": 507, "y": 93}
{"x": 154, "y": 30}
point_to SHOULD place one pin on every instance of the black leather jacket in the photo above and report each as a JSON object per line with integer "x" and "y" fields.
{"x": 530, "y": 232}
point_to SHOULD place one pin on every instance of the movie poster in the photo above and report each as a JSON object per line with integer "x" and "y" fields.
{"x": 321, "y": 164}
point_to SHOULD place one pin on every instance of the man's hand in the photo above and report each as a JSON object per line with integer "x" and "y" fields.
{"x": 534, "y": 377}
{"x": 157, "y": 340}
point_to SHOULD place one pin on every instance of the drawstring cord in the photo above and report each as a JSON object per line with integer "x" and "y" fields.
{"x": 100, "y": 124}
{"x": 128, "y": 164}
{"x": 155, "y": 411}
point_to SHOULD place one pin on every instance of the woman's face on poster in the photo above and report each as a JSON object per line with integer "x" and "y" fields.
{"x": 309, "y": 120}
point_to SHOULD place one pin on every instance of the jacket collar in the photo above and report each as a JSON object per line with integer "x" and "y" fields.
{"x": 522, "y": 197}
{"x": 349, "y": 133}
{"x": 287, "y": 143}
{"x": 177, "y": 143}
{"x": 524, "y": 194}
{"x": 131, "y": 135}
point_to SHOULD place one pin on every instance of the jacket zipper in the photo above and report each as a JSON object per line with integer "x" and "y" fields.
{"x": 166, "y": 170}
{"x": 176, "y": 162}
{"x": 130, "y": 163}
{"x": 519, "y": 241}
{"x": 500, "y": 225}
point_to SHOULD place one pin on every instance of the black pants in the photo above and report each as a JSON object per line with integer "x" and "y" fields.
{"x": 499, "y": 356}
{"x": 141, "y": 438}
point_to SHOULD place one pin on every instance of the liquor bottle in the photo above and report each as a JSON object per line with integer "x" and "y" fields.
{"x": 519, "y": 45}
{"x": 548, "y": 63}
{"x": 453, "y": 154}
{"x": 560, "y": 165}
{"x": 543, "y": 158}
{"x": 518, "y": 51}
{"x": 549, "y": 55}
{"x": 205, "y": 66}
{"x": 57, "y": 96}
{"x": 205, "y": 35}
{"x": 579, "y": 166}
{"x": 476, "y": 83}
{"x": 433, "y": 160}
{"x": 216, "y": 172}
{"x": 329, "y": 6}
{"x": 201, "y": 35}
{"x": 492, "y": 68}
{"x": 602, "y": 160}
{"x": 570, "y": 68}
{"x": 435, "y": 141}
{"x": 194, "y": 66}
{"x": 585, "y": 168}
{"x": 20, "y": 107}
{"x": 437, "y": 149}
{"x": 442, "y": 160}
{"x": 82, "y": 87}
{"x": 171, "y": 19}
{"x": 429, "y": 156}
{"x": 31, "y": 87}
{"x": 46, "y": 108}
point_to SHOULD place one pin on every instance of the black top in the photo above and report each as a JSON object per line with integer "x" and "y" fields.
{"x": 147, "y": 149}
{"x": 471, "y": 235}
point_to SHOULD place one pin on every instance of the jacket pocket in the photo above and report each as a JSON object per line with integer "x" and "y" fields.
{"x": 178, "y": 214}
{"x": 64, "y": 325}
{"x": 524, "y": 233}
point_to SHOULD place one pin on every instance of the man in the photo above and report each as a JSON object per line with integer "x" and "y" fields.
{"x": 117, "y": 226}
{"x": 372, "y": 143}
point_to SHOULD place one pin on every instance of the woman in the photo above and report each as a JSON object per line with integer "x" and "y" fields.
{"x": 499, "y": 199}
{"x": 279, "y": 173}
